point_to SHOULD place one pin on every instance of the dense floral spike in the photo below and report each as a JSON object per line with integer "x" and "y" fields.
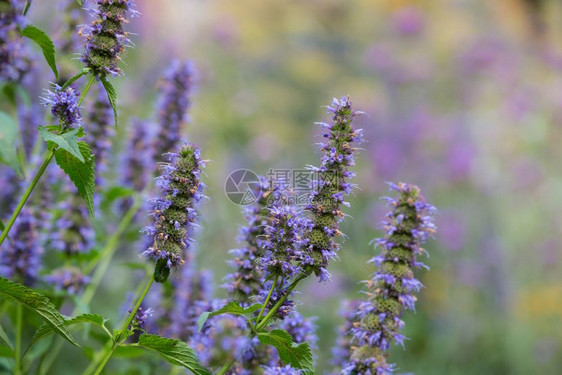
{"x": 72, "y": 232}
{"x": 139, "y": 156}
{"x": 100, "y": 131}
{"x": 331, "y": 185}
{"x": 64, "y": 105}
{"x": 285, "y": 235}
{"x": 14, "y": 57}
{"x": 174, "y": 100}
{"x": 342, "y": 350}
{"x": 68, "y": 279}
{"x": 391, "y": 291}
{"x": 174, "y": 213}
{"x": 105, "y": 38}
{"x": 247, "y": 279}
{"x": 20, "y": 256}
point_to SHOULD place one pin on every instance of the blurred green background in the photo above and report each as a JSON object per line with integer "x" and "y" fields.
{"x": 463, "y": 98}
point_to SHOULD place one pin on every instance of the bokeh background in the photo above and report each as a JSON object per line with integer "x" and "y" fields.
{"x": 462, "y": 98}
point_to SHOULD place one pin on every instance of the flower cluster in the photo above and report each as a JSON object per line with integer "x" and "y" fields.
{"x": 174, "y": 101}
{"x": 173, "y": 212}
{"x": 141, "y": 315}
{"x": 390, "y": 291}
{"x": 332, "y": 186}
{"x": 247, "y": 279}
{"x": 72, "y": 232}
{"x": 105, "y": 38}
{"x": 139, "y": 158}
{"x": 287, "y": 370}
{"x": 100, "y": 131}
{"x": 14, "y": 59}
{"x": 20, "y": 257}
{"x": 285, "y": 235}
{"x": 68, "y": 279}
{"x": 64, "y": 105}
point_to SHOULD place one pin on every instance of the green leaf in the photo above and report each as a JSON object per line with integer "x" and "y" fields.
{"x": 298, "y": 356}
{"x": 174, "y": 351}
{"x": 111, "y": 95}
{"x": 5, "y": 337}
{"x": 46, "y": 44}
{"x": 233, "y": 307}
{"x": 2, "y": 227}
{"x": 45, "y": 330}
{"x": 82, "y": 174}
{"x": 9, "y": 134}
{"x": 6, "y": 352}
{"x": 37, "y": 303}
{"x": 67, "y": 141}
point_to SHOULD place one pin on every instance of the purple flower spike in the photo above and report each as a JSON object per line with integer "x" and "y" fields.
{"x": 105, "y": 38}
{"x": 332, "y": 185}
{"x": 20, "y": 256}
{"x": 173, "y": 212}
{"x": 378, "y": 321}
{"x": 64, "y": 105}
{"x": 174, "y": 100}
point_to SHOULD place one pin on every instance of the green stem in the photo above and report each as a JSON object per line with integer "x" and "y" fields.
{"x": 280, "y": 302}
{"x": 26, "y": 195}
{"x": 226, "y": 367}
{"x": 107, "y": 253}
{"x": 86, "y": 89}
{"x": 19, "y": 329}
{"x": 110, "y": 349}
{"x": 268, "y": 298}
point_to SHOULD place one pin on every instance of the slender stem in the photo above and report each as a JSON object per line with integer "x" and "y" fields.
{"x": 19, "y": 329}
{"x": 26, "y": 195}
{"x": 280, "y": 302}
{"x": 110, "y": 349}
{"x": 86, "y": 89}
{"x": 267, "y": 299}
{"x": 108, "y": 252}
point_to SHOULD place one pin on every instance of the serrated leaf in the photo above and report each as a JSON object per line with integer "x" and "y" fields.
{"x": 174, "y": 351}
{"x": 45, "y": 330}
{"x": 233, "y": 307}
{"x": 45, "y": 43}
{"x": 111, "y": 96}
{"x": 82, "y": 174}
{"x": 37, "y": 303}
{"x": 67, "y": 141}
{"x": 9, "y": 134}
{"x": 297, "y": 355}
{"x": 5, "y": 337}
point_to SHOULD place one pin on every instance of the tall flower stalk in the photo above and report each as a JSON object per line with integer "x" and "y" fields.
{"x": 391, "y": 290}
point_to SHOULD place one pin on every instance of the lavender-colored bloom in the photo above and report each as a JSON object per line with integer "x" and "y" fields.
{"x": 68, "y": 279}
{"x": 20, "y": 256}
{"x": 284, "y": 238}
{"x": 173, "y": 212}
{"x": 14, "y": 57}
{"x": 331, "y": 186}
{"x": 139, "y": 156}
{"x": 342, "y": 350}
{"x": 64, "y": 105}
{"x": 100, "y": 131}
{"x": 174, "y": 100}
{"x": 390, "y": 291}
{"x": 287, "y": 370}
{"x": 247, "y": 279}
{"x": 141, "y": 316}
{"x": 72, "y": 232}
{"x": 105, "y": 38}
